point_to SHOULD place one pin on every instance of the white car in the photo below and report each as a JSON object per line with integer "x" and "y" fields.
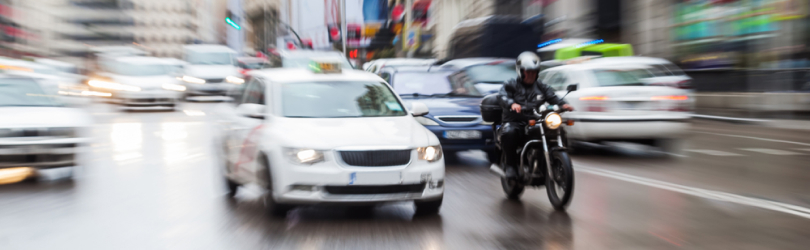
{"x": 138, "y": 82}
{"x": 36, "y": 131}
{"x": 376, "y": 65}
{"x": 661, "y": 71}
{"x": 612, "y": 104}
{"x": 323, "y": 138}
{"x": 211, "y": 70}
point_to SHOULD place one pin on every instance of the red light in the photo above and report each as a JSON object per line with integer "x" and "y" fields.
{"x": 353, "y": 54}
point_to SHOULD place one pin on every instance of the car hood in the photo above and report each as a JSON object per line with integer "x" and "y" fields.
{"x": 22, "y": 117}
{"x": 145, "y": 81}
{"x": 448, "y": 106}
{"x": 330, "y": 133}
{"x": 211, "y": 71}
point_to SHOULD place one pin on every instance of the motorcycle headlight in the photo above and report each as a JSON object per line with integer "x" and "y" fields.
{"x": 175, "y": 87}
{"x": 112, "y": 85}
{"x": 234, "y": 80}
{"x": 191, "y": 79}
{"x": 553, "y": 120}
{"x": 430, "y": 153}
{"x": 303, "y": 155}
{"x": 426, "y": 121}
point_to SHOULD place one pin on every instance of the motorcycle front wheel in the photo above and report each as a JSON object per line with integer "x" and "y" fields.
{"x": 512, "y": 187}
{"x": 560, "y": 185}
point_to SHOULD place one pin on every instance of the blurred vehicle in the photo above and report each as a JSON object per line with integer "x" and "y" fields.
{"x": 661, "y": 71}
{"x": 37, "y": 132}
{"x": 376, "y": 66}
{"x": 547, "y": 49}
{"x": 50, "y": 79}
{"x": 303, "y": 58}
{"x": 247, "y": 64}
{"x": 325, "y": 135}
{"x": 453, "y": 102}
{"x": 613, "y": 104}
{"x": 488, "y": 74}
{"x": 211, "y": 70}
{"x": 138, "y": 82}
{"x": 492, "y": 36}
{"x": 564, "y": 49}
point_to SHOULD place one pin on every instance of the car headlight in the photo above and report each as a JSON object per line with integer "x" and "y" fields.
{"x": 426, "y": 121}
{"x": 112, "y": 85}
{"x": 430, "y": 154}
{"x": 191, "y": 79}
{"x": 234, "y": 80}
{"x": 553, "y": 120}
{"x": 304, "y": 155}
{"x": 175, "y": 87}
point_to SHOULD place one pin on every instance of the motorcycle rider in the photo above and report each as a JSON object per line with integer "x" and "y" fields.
{"x": 524, "y": 91}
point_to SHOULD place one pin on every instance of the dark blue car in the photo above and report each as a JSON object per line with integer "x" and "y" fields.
{"x": 453, "y": 102}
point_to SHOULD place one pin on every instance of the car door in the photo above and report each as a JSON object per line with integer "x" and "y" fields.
{"x": 247, "y": 132}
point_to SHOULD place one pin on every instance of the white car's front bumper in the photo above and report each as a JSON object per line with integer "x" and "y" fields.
{"x": 147, "y": 98}
{"x": 334, "y": 182}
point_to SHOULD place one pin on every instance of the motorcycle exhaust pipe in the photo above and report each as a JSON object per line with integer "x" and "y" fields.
{"x": 495, "y": 169}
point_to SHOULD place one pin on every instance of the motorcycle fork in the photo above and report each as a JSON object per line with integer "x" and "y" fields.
{"x": 545, "y": 153}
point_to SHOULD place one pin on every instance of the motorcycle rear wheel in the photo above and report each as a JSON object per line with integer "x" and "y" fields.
{"x": 560, "y": 186}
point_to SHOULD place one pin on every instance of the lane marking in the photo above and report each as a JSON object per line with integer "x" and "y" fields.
{"x": 713, "y": 152}
{"x": 703, "y": 193}
{"x": 771, "y": 151}
{"x": 756, "y": 138}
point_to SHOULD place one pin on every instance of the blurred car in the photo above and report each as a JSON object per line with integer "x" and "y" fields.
{"x": 325, "y": 135}
{"x": 246, "y": 64}
{"x": 303, "y": 58}
{"x": 138, "y": 82}
{"x": 36, "y": 131}
{"x": 211, "y": 70}
{"x": 376, "y": 66}
{"x": 613, "y": 104}
{"x": 661, "y": 71}
{"x": 488, "y": 74}
{"x": 453, "y": 102}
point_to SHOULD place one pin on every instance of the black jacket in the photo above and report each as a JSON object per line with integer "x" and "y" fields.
{"x": 531, "y": 96}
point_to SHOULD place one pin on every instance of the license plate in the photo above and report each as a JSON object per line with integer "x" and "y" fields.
{"x": 630, "y": 105}
{"x": 462, "y": 134}
{"x": 375, "y": 178}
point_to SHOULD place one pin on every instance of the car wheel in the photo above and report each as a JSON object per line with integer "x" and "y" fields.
{"x": 428, "y": 207}
{"x": 274, "y": 208}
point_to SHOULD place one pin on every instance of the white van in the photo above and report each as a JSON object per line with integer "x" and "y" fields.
{"x": 211, "y": 70}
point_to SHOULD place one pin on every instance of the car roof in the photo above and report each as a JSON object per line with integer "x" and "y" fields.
{"x": 208, "y": 48}
{"x": 301, "y": 74}
{"x": 629, "y": 59}
{"x": 142, "y": 60}
{"x": 473, "y": 61}
{"x": 309, "y": 53}
{"x": 592, "y": 66}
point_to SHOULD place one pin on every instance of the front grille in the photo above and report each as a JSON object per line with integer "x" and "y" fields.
{"x": 214, "y": 80}
{"x": 457, "y": 118}
{"x": 376, "y": 158}
{"x": 389, "y": 189}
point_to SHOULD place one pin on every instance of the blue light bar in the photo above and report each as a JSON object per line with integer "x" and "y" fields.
{"x": 597, "y": 41}
{"x": 549, "y": 42}
{"x": 232, "y": 23}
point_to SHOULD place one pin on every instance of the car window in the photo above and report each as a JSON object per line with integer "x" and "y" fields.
{"x": 557, "y": 81}
{"x": 238, "y": 93}
{"x": 339, "y": 99}
{"x": 674, "y": 69}
{"x": 492, "y": 73}
{"x": 254, "y": 92}
{"x": 463, "y": 85}
{"x": 20, "y": 92}
{"x": 422, "y": 83}
{"x": 542, "y": 75}
{"x": 607, "y": 78}
{"x": 386, "y": 76}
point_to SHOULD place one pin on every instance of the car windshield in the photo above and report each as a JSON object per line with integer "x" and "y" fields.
{"x": 136, "y": 69}
{"x": 421, "y": 83}
{"x": 674, "y": 69}
{"x": 23, "y": 92}
{"x": 210, "y": 58}
{"x": 339, "y": 99}
{"x": 608, "y": 78}
{"x": 303, "y": 62}
{"x": 492, "y": 73}
{"x": 252, "y": 65}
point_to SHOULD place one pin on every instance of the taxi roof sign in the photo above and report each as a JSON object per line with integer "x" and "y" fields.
{"x": 325, "y": 66}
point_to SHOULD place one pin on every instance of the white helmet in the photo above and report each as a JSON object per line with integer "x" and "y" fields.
{"x": 527, "y": 61}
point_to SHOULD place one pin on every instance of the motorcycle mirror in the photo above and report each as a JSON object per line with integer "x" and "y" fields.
{"x": 573, "y": 87}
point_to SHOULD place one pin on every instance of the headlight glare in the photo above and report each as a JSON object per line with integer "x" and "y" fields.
{"x": 553, "y": 120}
{"x": 191, "y": 79}
{"x": 175, "y": 87}
{"x": 426, "y": 121}
{"x": 234, "y": 80}
{"x": 303, "y": 155}
{"x": 430, "y": 153}
{"x": 112, "y": 85}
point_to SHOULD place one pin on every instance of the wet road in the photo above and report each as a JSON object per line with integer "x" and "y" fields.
{"x": 149, "y": 181}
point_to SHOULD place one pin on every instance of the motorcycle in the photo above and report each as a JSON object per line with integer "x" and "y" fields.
{"x": 544, "y": 159}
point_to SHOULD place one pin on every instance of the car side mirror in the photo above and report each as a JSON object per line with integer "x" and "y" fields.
{"x": 251, "y": 110}
{"x": 419, "y": 109}
{"x": 573, "y": 87}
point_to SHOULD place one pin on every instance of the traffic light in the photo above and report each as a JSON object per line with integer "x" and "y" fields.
{"x": 229, "y": 19}
{"x": 353, "y": 54}
{"x": 334, "y": 33}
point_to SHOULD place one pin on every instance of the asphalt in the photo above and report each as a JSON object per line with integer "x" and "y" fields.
{"x": 149, "y": 180}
